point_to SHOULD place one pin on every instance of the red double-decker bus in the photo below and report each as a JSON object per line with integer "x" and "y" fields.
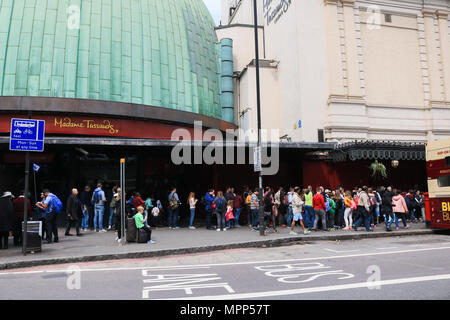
{"x": 437, "y": 204}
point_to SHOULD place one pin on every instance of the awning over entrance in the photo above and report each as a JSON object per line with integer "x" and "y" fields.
{"x": 378, "y": 150}
{"x": 108, "y": 141}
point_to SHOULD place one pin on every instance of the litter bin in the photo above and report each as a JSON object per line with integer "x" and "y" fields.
{"x": 34, "y": 236}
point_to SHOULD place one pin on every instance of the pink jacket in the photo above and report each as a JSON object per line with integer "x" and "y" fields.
{"x": 400, "y": 204}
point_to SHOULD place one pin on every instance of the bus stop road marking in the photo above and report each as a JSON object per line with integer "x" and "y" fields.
{"x": 200, "y": 266}
{"x": 358, "y": 285}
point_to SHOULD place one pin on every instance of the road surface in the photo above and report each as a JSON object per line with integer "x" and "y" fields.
{"x": 386, "y": 268}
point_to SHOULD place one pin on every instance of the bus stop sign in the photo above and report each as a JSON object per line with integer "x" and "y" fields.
{"x": 27, "y": 135}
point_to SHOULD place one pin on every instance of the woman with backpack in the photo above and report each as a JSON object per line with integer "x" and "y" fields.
{"x": 220, "y": 205}
{"x": 373, "y": 206}
{"x": 174, "y": 208}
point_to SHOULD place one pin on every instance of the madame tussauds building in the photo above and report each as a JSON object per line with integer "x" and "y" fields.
{"x": 115, "y": 79}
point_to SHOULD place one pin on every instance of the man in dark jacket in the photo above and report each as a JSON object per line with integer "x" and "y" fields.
{"x": 386, "y": 207}
{"x": 229, "y": 195}
{"x": 74, "y": 212}
{"x": 209, "y": 198}
{"x": 418, "y": 205}
{"x": 6, "y": 218}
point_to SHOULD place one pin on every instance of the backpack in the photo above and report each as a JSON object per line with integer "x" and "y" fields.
{"x": 56, "y": 204}
{"x": 408, "y": 202}
{"x": 173, "y": 203}
{"x": 327, "y": 205}
{"x": 332, "y": 205}
{"x": 218, "y": 205}
{"x": 95, "y": 197}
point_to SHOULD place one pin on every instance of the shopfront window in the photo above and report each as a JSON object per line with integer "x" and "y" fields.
{"x": 444, "y": 181}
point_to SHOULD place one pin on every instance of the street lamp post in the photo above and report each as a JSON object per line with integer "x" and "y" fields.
{"x": 258, "y": 108}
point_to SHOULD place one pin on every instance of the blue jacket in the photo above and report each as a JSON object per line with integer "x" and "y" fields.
{"x": 208, "y": 201}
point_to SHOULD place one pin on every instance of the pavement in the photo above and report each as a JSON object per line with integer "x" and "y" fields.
{"x": 94, "y": 246}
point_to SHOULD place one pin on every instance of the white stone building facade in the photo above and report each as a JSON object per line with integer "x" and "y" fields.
{"x": 342, "y": 70}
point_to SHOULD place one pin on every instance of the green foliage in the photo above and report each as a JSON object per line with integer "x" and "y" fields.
{"x": 378, "y": 168}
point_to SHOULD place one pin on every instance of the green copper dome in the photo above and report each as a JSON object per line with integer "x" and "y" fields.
{"x": 151, "y": 52}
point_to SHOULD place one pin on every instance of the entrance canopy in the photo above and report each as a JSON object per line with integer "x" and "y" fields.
{"x": 378, "y": 150}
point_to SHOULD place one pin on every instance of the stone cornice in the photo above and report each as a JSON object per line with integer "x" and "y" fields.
{"x": 331, "y": 2}
{"x": 443, "y": 14}
{"x": 428, "y": 12}
{"x": 348, "y": 3}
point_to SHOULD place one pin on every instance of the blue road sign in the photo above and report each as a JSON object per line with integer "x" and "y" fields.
{"x": 27, "y": 135}
{"x": 36, "y": 167}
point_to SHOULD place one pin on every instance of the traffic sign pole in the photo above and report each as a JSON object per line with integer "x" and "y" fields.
{"x": 123, "y": 219}
{"x": 27, "y": 135}
{"x": 25, "y": 205}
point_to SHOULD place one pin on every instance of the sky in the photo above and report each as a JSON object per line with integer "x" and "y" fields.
{"x": 214, "y": 7}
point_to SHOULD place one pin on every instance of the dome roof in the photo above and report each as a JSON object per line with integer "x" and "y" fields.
{"x": 152, "y": 52}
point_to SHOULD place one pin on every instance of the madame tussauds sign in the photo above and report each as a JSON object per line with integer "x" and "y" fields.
{"x": 274, "y": 9}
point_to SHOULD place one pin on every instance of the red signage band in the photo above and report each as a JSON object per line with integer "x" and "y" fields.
{"x": 98, "y": 126}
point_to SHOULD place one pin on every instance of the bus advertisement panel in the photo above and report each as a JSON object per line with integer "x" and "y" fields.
{"x": 438, "y": 172}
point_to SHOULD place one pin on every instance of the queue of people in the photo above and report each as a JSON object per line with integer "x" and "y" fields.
{"x": 312, "y": 210}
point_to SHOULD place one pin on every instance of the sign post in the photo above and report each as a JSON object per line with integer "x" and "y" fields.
{"x": 28, "y": 136}
{"x": 262, "y": 227}
{"x": 257, "y": 165}
{"x": 122, "y": 201}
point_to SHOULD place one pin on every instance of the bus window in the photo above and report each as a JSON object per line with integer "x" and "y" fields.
{"x": 447, "y": 161}
{"x": 443, "y": 181}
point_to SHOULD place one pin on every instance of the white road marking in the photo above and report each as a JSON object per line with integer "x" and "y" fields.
{"x": 387, "y": 248}
{"x": 200, "y": 266}
{"x": 358, "y": 285}
{"x": 341, "y": 251}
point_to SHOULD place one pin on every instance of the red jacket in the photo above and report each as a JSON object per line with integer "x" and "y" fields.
{"x": 238, "y": 201}
{"x": 318, "y": 202}
{"x": 19, "y": 206}
{"x": 138, "y": 202}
